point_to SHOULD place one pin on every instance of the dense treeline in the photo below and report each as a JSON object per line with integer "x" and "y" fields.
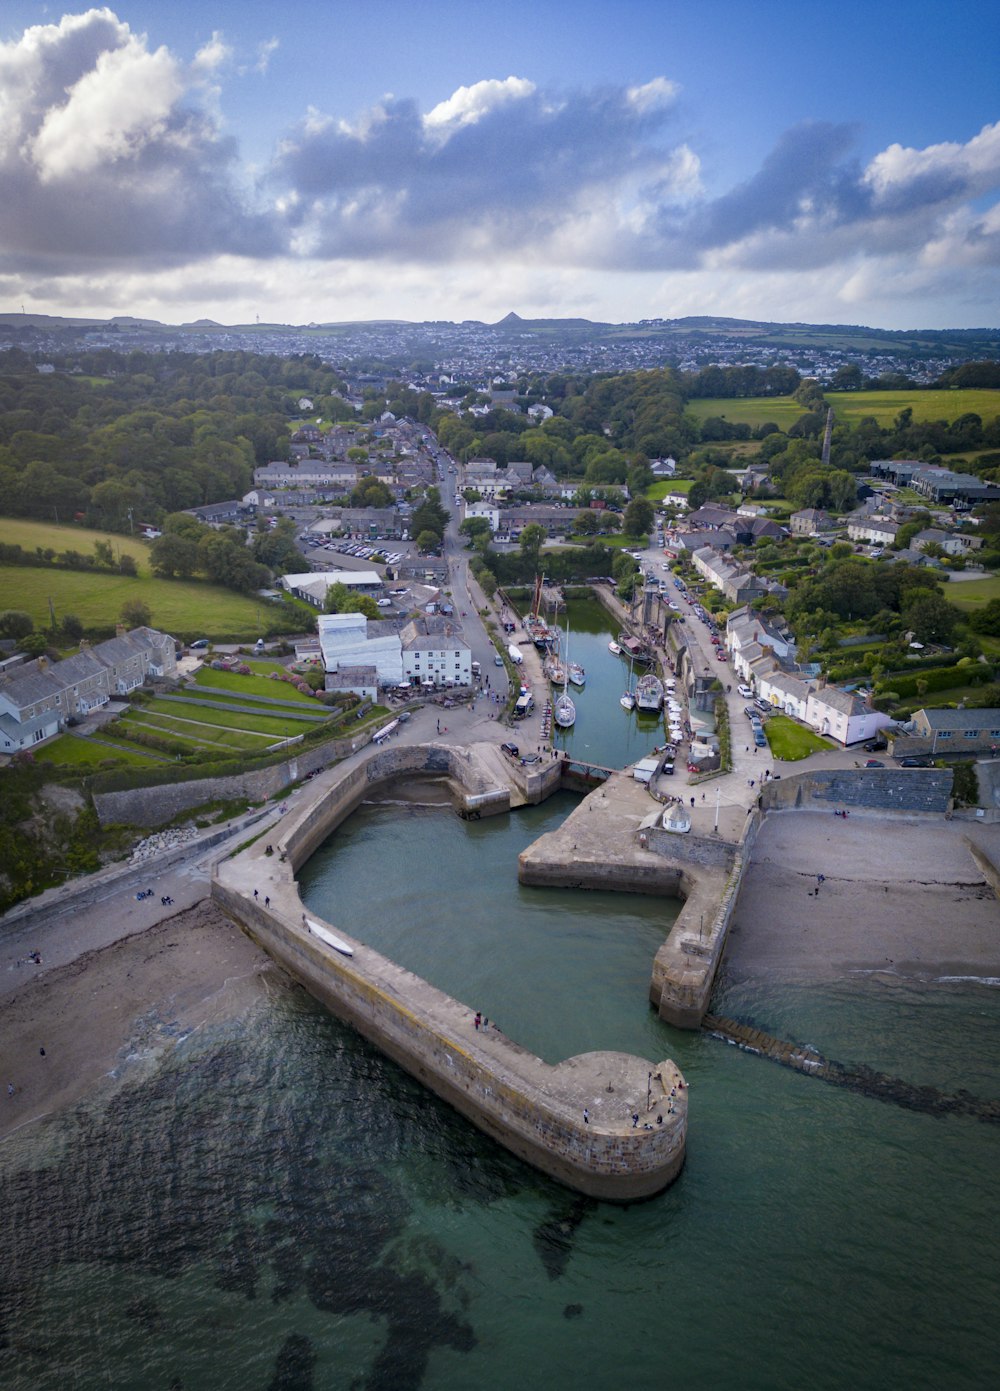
{"x": 118, "y": 439}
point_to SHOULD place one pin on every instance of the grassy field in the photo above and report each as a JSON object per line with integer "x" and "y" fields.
{"x": 970, "y": 595}
{"x": 790, "y": 741}
{"x": 850, "y": 406}
{"x": 14, "y": 531}
{"x": 277, "y": 726}
{"x": 184, "y": 608}
{"x": 656, "y": 492}
{"x": 749, "y": 410}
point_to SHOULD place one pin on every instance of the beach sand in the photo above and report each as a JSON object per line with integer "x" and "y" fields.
{"x": 901, "y": 896}
{"x": 135, "y": 994}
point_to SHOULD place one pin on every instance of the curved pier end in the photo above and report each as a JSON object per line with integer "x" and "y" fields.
{"x": 574, "y": 1121}
{"x": 607, "y": 843}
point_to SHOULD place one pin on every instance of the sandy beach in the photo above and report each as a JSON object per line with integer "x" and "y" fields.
{"x": 135, "y": 994}
{"x": 898, "y": 895}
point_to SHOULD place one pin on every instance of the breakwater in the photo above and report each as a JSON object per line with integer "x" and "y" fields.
{"x": 608, "y": 1124}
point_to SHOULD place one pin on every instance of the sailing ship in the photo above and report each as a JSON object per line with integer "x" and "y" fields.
{"x": 563, "y": 709}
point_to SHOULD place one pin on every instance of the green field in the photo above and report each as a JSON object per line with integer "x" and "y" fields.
{"x": 14, "y": 531}
{"x": 970, "y": 595}
{"x": 851, "y": 406}
{"x": 184, "y": 608}
{"x": 656, "y": 492}
{"x": 750, "y": 410}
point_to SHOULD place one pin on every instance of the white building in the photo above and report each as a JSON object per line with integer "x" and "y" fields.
{"x": 435, "y": 655}
{"x": 843, "y": 716}
{"x": 351, "y": 640}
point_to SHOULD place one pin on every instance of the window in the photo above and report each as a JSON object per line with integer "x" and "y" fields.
{"x": 944, "y": 733}
{"x": 972, "y": 733}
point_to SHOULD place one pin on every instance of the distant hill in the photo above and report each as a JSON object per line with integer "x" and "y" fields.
{"x": 961, "y": 344}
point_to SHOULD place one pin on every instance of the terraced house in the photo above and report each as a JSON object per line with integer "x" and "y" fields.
{"x": 39, "y": 697}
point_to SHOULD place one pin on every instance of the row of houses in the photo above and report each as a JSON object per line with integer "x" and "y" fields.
{"x": 37, "y": 698}
{"x": 764, "y": 658}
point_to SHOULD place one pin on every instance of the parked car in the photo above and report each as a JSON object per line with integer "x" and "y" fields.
{"x": 874, "y": 745}
{"x": 873, "y": 763}
{"x": 200, "y": 645}
{"x": 760, "y": 739}
{"x": 761, "y": 704}
{"x": 745, "y": 692}
{"x": 511, "y": 749}
{"x": 498, "y": 660}
{"x": 915, "y": 761}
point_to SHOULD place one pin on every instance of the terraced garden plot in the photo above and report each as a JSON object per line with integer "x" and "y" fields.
{"x": 283, "y": 710}
{"x": 222, "y": 717}
{"x": 72, "y": 751}
{"x": 252, "y": 685}
{"x": 199, "y": 735}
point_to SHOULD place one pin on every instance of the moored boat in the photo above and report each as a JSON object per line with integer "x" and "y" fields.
{"x": 564, "y": 711}
{"x": 627, "y": 700}
{"x": 649, "y": 692}
{"x": 613, "y": 647}
{"x": 577, "y": 674}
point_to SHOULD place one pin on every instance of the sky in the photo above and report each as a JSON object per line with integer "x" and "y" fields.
{"x": 322, "y": 161}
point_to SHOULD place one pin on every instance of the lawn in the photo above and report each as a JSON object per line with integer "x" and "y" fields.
{"x": 69, "y": 751}
{"x": 250, "y": 686}
{"x": 970, "y": 595}
{"x": 184, "y": 608}
{"x": 189, "y": 729}
{"x": 14, "y": 531}
{"x": 276, "y": 725}
{"x": 790, "y": 741}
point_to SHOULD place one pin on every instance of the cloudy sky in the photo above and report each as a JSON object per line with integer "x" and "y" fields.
{"x": 417, "y": 159}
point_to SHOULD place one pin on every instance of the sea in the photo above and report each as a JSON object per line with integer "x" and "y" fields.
{"x": 268, "y": 1204}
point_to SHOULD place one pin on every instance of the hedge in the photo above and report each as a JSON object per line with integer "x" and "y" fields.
{"x": 937, "y": 679}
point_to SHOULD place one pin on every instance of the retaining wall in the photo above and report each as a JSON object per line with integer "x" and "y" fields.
{"x": 153, "y": 806}
{"x": 897, "y": 790}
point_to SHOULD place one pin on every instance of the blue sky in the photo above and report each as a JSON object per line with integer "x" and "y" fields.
{"x": 317, "y": 160}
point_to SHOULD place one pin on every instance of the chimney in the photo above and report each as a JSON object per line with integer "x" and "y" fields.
{"x": 119, "y": 630}
{"x": 84, "y": 644}
{"x": 43, "y": 664}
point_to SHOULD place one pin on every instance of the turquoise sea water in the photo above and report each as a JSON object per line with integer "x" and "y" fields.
{"x": 274, "y": 1205}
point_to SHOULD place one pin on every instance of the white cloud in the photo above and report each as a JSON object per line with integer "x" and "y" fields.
{"x": 652, "y": 96}
{"x": 114, "y": 110}
{"x": 265, "y": 51}
{"x": 468, "y": 105}
{"x": 212, "y": 55}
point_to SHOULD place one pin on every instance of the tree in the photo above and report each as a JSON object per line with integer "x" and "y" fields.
{"x": 134, "y": 613}
{"x": 929, "y": 616}
{"x": 371, "y": 492}
{"x": 16, "y": 624}
{"x": 72, "y": 627}
{"x": 174, "y": 554}
{"x": 428, "y": 541}
{"x": 638, "y": 517}
{"x": 532, "y": 538}
{"x": 586, "y": 522}
{"x": 476, "y": 528}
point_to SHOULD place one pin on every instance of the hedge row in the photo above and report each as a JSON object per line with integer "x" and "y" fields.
{"x": 938, "y": 679}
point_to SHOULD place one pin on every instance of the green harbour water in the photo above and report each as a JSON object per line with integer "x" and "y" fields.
{"x": 271, "y": 1204}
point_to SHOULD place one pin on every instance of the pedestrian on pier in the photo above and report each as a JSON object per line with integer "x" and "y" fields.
{"x": 586, "y": 1113}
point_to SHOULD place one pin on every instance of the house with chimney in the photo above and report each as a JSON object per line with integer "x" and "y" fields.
{"x": 38, "y": 698}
